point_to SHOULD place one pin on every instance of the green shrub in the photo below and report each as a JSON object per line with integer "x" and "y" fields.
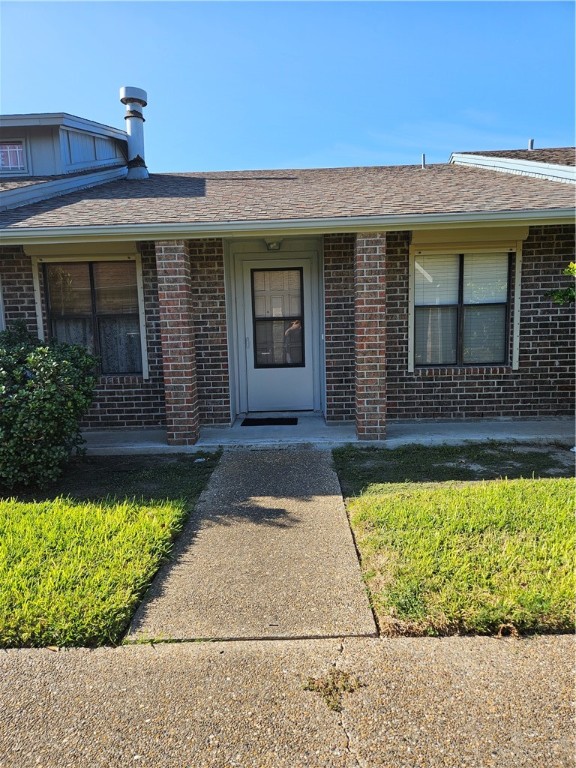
{"x": 44, "y": 390}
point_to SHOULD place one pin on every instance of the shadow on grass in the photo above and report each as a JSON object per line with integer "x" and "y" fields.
{"x": 365, "y": 470}
{"x": 114, "y": 478}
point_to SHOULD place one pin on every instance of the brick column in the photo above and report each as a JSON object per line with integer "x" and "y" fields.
{"x": 370, "y": 335}
{"x": 339, "y": 326}
{"x": 177, "y": 335}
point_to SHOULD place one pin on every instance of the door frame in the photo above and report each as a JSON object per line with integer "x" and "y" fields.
{"x": 236, "y": 253}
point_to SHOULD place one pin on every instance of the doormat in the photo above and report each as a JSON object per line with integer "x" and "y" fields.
{"x": 286, "y": 422}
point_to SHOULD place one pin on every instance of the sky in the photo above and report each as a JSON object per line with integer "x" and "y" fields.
{"x": 239, "y": 85}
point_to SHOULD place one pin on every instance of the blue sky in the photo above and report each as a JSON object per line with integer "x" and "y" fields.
{"x": 236, "y": 85}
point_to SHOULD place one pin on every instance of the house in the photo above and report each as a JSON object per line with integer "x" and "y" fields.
{"x": 365, "y": 294}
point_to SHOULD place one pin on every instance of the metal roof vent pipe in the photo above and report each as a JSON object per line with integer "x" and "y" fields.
{"x": 135, "y": 99}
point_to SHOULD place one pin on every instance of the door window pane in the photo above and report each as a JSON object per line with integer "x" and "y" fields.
{"x": 278, "y": 321}
{"x": 435, "y": 335}
{"x": 277, "y": 292}
{"x": 484, "y": 334}
{"x": 278, "y": 342}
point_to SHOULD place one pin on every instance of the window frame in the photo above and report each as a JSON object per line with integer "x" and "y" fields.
{"x": 512, "y": 317}
{"x": 300, "y": 317}
{"x": 16, "y": 171}
{"x": 42, "y": 307}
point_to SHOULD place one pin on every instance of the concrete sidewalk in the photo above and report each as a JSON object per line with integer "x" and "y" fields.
{"x": 267, "y": 553}
{"x": 313, "y": 430}
{"x": 423, "y": 703}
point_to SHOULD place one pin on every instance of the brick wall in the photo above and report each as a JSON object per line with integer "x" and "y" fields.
{"x": 339, "y": 327}
{"x": 130, "y": 401}
{"x": 209, "y": 322}
{"x": 177, "y": 336}
{"x": 17, "y": 287}
{"x": 370, "y": 335}
{"x": 543, "y": 385}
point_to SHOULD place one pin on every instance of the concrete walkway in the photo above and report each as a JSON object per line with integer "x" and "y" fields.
{"x": 268, "y": 553}
{"x": 422, "y": 703}
{"x": 313, "y": 430}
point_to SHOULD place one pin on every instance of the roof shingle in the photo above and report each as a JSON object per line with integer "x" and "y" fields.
{"x": 252, "y": 196}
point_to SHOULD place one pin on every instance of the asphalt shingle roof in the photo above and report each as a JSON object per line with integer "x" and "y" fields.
{"x": 252, "y": 196}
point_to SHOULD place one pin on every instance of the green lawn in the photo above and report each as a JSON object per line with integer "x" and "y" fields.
{"x": 462, "y": 555}
{"x": 75, "y": 562}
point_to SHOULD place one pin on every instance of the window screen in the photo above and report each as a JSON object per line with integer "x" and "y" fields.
{"x": 461, "y": 308}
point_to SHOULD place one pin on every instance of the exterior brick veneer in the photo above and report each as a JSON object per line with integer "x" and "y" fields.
{"x": 370, "y": 335}
{"x": 17, "y": 287}
{"x": 543, "y": 385}
{"x": 177, "y": 335}
{"x": 366, "y": 333}
{"x": 209, "y": 323}
{"x": 130, "y": 401}
{"x": 339, "y": 326}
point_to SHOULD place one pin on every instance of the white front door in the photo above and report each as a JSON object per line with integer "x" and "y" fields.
{"x": 278, "y": 332}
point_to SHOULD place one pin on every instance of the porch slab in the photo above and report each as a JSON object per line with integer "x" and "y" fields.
{"x": 266, "y": 554}
{"x": 312, "y": 429}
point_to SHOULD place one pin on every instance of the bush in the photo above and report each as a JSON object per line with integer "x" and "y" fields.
{"x": 44, "y": 390}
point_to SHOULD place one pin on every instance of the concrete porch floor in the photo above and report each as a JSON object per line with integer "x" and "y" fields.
{"x": 312, "y": 429}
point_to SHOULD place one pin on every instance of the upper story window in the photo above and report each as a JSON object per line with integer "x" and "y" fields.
{"x": 12, "y": 157}
{"x": 95, "y": 304}
{"x": 461, "y": 309}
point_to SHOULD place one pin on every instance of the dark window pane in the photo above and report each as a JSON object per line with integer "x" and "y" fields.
{"x": 74, "y": 330}
{"x": 120, "y": 344}
{"x": 69, "y": 287}
{"x": 115, "y": 285}
{"x": 484, "y": 334}
{"x": 435, "y": 335}
{"x": 279, "y": 342}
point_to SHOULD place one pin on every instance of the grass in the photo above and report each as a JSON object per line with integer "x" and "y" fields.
{"x": 75, "y": 562}
{"x": 458, "y": 555}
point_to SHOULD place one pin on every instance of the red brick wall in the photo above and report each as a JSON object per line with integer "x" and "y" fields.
{"x": 209, "y": 322}
{"x": 543, "y": 385}
{"x": 177, "y": 335}
{"x": 17, "y": 287}
{"x": 370, "y": 335}
{"x": 339, "y": 326}
{"x": 130, "y": 401}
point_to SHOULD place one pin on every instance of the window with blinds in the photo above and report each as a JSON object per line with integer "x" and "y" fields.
{"x": 461, "y": 309}
{"x": 95, "y": 304}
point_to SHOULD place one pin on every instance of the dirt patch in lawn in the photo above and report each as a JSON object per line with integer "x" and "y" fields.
{"x": 361, "y": 469}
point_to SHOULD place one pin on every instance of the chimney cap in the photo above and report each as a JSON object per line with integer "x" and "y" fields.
{"x": 129, "y": 94}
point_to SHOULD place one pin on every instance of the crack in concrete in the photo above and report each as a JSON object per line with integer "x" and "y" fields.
{"x": 349, "y": 750}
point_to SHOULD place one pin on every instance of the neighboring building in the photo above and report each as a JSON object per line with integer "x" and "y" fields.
{"x": 365, "y": 294}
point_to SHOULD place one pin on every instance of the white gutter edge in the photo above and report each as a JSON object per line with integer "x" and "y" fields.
{"x": 523, "y": 167}
{"x": 11, "y": 199}
{"x": 125, "y": 232}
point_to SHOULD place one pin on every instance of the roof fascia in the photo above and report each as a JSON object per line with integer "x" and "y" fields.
{"x": 62, "y": 119}
{"x": 293, "y": 227}
{"x": 34, "y": 193}
{"x": 552, "y": 171}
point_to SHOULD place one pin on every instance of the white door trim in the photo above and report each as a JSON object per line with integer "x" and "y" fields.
{"x": 293, "y": 249}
